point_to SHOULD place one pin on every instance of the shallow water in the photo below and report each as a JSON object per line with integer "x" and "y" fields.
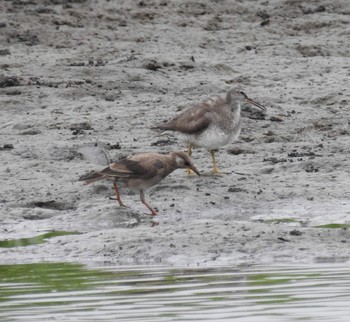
{"x": 74, "y": 292}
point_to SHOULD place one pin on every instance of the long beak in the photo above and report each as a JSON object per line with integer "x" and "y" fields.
{"x": 194, "y": 169}
{"x": 249, "y": 100}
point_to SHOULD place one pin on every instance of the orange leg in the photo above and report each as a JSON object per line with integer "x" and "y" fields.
{"x": 142, "y": 197}
{"x": 121, "y": 204}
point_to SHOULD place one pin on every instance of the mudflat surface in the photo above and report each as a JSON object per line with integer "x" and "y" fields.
{"x": 82, "y": 83}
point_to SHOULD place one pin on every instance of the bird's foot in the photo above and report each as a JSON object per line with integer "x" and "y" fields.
{"x": 190, "y": 172}
{"x": 218, "y": 173}
{"x": 121, "y": 204}
{"x": 154, "y": 223}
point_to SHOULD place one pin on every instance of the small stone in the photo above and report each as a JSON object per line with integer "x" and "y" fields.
{"x": 8, "y": 81}
{"x": 276, "y": 119}
{"x": 115, "y": 146}
{"x": 7, "y": 146}
{"x": 235, "y": 151}
{"x": 152, "y": 65}
{"x": 265, "y": 22}
{"x": 235, "y": 189}
{"x": 295, "y": 232}
{"x": 80, "y": 126}
{"x": 283, "y": 239}
{"x": 4, "y": 52}
{"x": 110, "y": 97}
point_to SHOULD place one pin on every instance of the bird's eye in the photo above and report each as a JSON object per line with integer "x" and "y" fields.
{"x": 243, "y": 94}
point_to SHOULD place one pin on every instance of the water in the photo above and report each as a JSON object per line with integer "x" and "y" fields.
{"x": 74, "y": 292}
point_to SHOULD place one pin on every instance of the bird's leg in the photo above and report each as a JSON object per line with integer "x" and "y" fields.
{"x": 189, "y": 152}
{"x": 215, "y": 168}
{"x": 142, "y": 197}
{"x": 121, "y": 204}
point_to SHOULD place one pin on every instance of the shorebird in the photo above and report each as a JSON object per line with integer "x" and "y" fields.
{"x": 210, "y": 124}
{"x": 141, "y": 171}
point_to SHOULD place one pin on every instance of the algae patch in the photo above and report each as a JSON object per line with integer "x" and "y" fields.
{"x": 334, "y": 226}
{"x": 281, "y": 220}
{"x": 34, "y": 240}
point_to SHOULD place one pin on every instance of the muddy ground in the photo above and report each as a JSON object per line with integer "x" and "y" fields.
{"x": 83, "y": 81}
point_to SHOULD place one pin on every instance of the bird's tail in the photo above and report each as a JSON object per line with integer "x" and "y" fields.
{"x": 157, "y": 128}
{"x": 92, "y": 177}
{"x": 162, "y": 129}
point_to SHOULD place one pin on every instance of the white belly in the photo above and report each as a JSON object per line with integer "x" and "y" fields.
{"x": 211, "y": 139}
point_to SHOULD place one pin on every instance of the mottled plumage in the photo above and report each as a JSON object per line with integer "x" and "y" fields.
{"x": 141, "y": 171}
{"x": 210, "y": 124}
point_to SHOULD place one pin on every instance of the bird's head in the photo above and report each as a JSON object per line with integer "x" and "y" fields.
{"x": 183, "y": 161}
{"x": 237, "y": 96}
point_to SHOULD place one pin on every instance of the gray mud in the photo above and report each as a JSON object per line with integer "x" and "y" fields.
{"x": 82, "y": 83}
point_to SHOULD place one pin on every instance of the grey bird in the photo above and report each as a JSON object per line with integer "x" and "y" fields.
{"x": 210, "y": 124}
{"x": 141, "y": 171}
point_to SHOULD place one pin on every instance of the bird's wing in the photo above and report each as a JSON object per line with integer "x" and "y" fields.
{"x": 139, "y": 165}
{"x": 195, "y": 119}
{"x": 118, "y": 170}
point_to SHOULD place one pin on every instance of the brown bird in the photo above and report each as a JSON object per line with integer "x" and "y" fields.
{"x": 210, "y": 124}
{"x": 141, "y": 171}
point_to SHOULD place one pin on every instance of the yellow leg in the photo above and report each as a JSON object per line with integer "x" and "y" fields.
{"x": 215, "y": 168}
{"x": 189, "y": 152}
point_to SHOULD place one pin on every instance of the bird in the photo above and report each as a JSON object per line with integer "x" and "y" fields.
{"x": 141, "y": 171}
{"x": 211, "y": 124}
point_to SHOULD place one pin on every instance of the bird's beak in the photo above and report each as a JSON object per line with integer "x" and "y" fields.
{"x": 249, "y": 100}
{"x": 194, "y": 169}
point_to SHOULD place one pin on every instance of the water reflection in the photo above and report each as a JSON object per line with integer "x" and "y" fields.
{"x": 73, "y": 292}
